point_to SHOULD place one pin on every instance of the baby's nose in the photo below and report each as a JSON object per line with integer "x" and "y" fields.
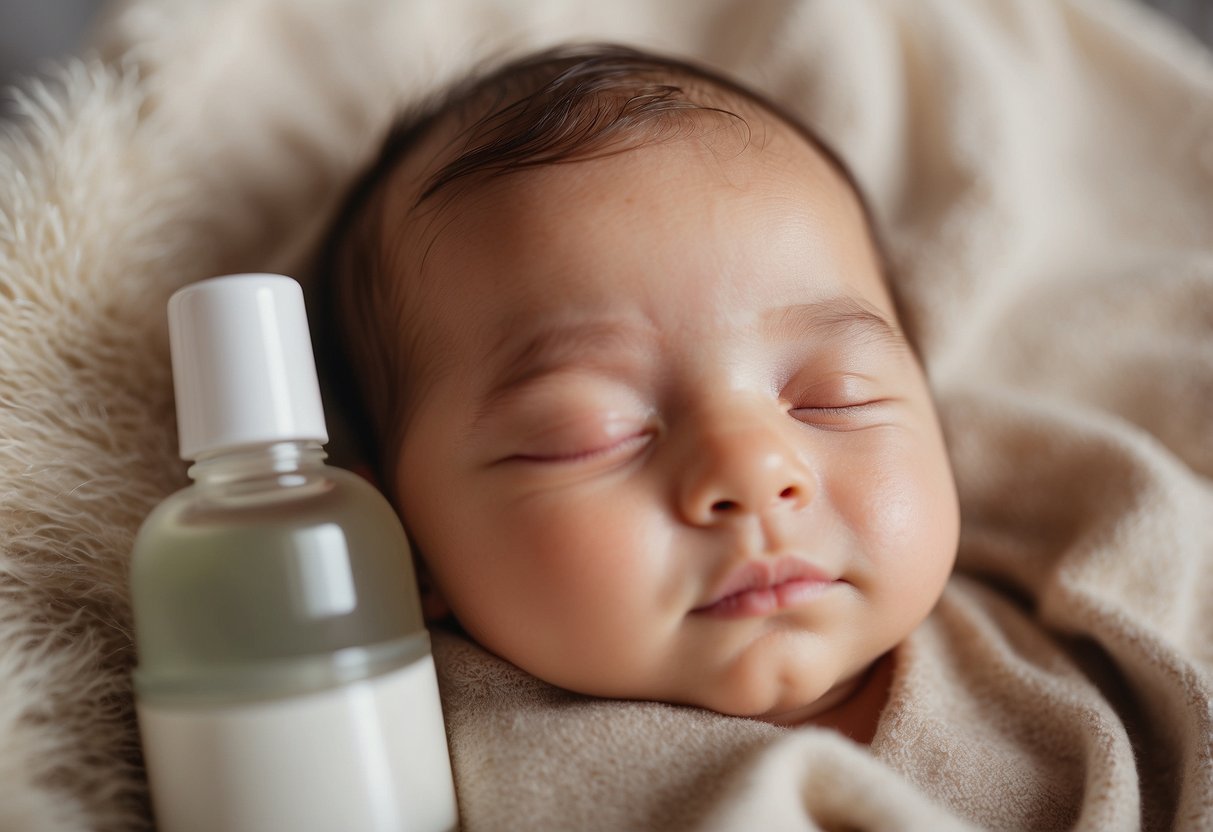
{"x": 750, "y": 470}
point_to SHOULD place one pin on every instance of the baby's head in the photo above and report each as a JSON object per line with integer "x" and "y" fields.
{"x": 638, "y": 388}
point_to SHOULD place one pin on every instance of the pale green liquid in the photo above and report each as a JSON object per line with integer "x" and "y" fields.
{"x": 270, "y": 587}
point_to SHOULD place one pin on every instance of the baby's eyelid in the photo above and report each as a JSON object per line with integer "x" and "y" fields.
{"x": 839, "y": 408}
{"x": 837, "y": 417}
{"x": 611, "y": 448}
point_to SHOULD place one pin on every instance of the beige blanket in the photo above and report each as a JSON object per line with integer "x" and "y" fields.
{"x": 1043, "y": 170}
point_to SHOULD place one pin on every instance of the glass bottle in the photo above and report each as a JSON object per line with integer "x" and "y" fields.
{"x": 285, "y": 679}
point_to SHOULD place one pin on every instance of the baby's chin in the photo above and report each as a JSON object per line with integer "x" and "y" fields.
{"x": 788, "y": 698}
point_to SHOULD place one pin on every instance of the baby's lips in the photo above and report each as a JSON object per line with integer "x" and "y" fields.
{"x": 764, "y": 573}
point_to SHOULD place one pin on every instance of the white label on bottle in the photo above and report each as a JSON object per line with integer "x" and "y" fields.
{"x": 367, "y": 757}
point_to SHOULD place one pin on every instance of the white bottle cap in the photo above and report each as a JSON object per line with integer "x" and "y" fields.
{"x": 243, "y": 369}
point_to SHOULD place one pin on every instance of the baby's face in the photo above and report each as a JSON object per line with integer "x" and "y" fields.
{"x": 671, "y": 443}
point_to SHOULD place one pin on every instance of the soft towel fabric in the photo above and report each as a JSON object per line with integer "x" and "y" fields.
{"x": 1043, "y": 175}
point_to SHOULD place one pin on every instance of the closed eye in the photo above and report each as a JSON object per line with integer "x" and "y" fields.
{"x": 615, "y": 449}
{"x": 839, "y": 417}
{"x": 838, "y": 410}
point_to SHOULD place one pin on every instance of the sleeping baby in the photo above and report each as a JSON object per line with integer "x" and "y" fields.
{"x": 619, "y": 337}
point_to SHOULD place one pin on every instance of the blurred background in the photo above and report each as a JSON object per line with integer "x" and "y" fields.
{"x": 35, "y": 31}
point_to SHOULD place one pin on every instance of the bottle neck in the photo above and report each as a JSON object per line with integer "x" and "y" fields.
{"x": 257, "y": 462}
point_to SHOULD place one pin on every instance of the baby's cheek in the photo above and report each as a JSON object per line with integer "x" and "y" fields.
{"x": 869, "y": 485}
{"x": 902, "y": 509}
{"x": 585, "y": 574}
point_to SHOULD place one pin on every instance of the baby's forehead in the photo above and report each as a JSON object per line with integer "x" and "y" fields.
{"x": 540, "y": 216}
{"x": 512, "y": 210}
{"x": 467, "y": 172}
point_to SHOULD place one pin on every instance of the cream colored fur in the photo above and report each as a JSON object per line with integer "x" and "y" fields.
{"x": 1043, "y": 173}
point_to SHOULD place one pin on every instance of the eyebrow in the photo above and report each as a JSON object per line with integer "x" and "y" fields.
{"x": 832, "y": 319}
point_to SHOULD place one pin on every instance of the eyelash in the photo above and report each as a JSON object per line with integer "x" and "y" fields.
{"x": 841, "y": 409}
{"x": 585, "y": 456}
{"x": 849, "y": 411}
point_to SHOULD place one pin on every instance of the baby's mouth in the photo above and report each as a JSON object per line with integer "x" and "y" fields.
{"x": 764, "y": 586}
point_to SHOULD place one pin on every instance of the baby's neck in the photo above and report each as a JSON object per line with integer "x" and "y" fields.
{"x": 858, "y": 714}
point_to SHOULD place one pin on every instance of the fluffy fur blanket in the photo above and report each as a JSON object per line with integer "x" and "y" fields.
{"x": 1044, "y": 176}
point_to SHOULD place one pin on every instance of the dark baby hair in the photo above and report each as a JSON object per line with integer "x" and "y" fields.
{"x": 559, "y": 106}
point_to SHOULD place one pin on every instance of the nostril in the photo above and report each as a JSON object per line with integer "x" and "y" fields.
{"x": 788, "y": 492}
{"x": 724, "y": 505}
